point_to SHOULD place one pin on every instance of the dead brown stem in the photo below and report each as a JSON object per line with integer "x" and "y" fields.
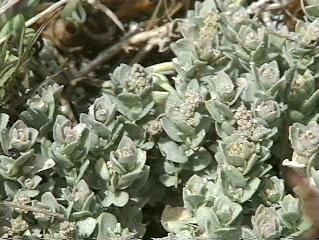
{"x": 157, "y": 36}
{"x": 32, "y": 209}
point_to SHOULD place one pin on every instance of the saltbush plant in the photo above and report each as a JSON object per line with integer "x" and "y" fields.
{"x": 217, "y": 125}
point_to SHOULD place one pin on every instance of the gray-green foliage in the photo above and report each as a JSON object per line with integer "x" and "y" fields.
{"x": 260, "y": 89}
{"x": 82, "y": 171}
{"x": 217, "y": 131}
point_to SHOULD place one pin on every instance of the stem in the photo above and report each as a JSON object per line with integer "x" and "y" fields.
{"x": 108, "y": 12}
{"x": 130, "y": 39}
{"x": 284, "y": 137}
{"x": 54, "y": 7}
{"x": 302, "y": 5}
{"x": 162, "y": 67}
{"x": 104, "y": 56}
{"x": 32, "y": 209}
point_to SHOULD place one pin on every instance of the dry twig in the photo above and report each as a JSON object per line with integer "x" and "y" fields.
{"x": 267, "y": 5}
{"x": 96, "y": 4}
{"x": 157, "y": 36}
{"x": 9, "y": 4}
{"x": 32, "y": 209}
{"x": 48, "y": 11}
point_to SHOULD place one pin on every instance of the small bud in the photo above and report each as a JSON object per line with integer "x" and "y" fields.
{"x": 102, "y": 110}
{"x": 269, "y": 74}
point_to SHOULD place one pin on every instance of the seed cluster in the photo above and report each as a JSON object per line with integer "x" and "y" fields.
{"x": 210, "y": 27}
{"x": 266, "y": 106}
{"x": 139, "y": 79}
{"x": 244, "y": 119}
{"x": 154, "y": 127}
{"x": 18, "y": 226}
{"x": 192, "y": 102}
{"x": 247, "y": 125}
{"x": 22, "y": 200}
{"x": 67, "y": 230}
{"x": 236, "y": 149}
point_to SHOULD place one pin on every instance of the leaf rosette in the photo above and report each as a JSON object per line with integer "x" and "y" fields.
{"x": 19, "y": 137}
{"x": 128, "y": 161}
{"x": 305, "y": 138}
{"x": 194, "y": 192}
{"x": 291, "y": 212}
{"x": 102, "y": 110}
{"x": 240, "y": 153}
{"x": 268, "y": 110}
{"x": 266, "y": 224}
{"x": 273, "y": 190}
{"x": 71, "y": 143}
{"x": 42, "y": 108}
{"x": 217, "y": 220}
